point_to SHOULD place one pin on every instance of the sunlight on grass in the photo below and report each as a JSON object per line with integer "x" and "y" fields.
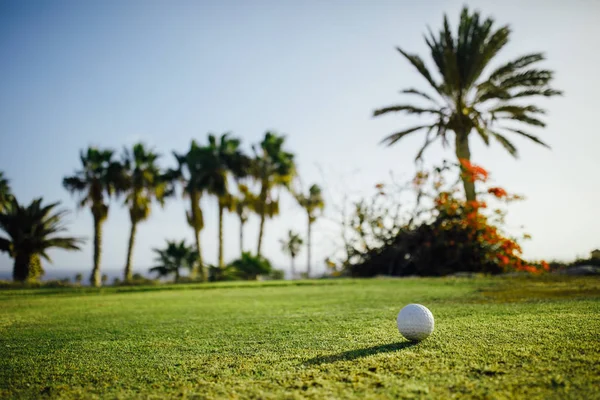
{"x": 310, "y": 340}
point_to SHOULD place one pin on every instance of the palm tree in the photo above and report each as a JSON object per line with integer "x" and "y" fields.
{"x": 243, "y": 204}
{"x": 272, "y": 168}
{"x": 173, "y": 257}
{"x": 144, "y": 183}
{"x": 31, "y": 231}
{"x": 466, "y": 101}
{"x": 223, "y": 158}
{"x": 190, "y": 172}
{"x": 100, "y": 177}
{"x": 291, "y": 245}
{"x": 312, "y": 203}
{"x": 249, "y": 267}
{"x": 5, "y": 192}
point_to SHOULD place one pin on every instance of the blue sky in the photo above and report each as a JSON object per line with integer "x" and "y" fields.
{"x": 111, "y": 73}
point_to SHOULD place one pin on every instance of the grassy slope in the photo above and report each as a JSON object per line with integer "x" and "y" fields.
{"x": 333, "y": 340}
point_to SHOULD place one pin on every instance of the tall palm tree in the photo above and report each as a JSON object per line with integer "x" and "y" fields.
{"x": 173, "y": 257}
{"x": 243, "y": 204}
{"x": 144, "y": 183}
{"x": 291, "y": 245}
{"x": 5, "y": 192}
{"x": 464, "y": 100}
{"x": 31, "y": 231}
{"x": 191, "y": 173}
{"x": 223, "y": 159}
{"x": 312, "y": 203}
{"x": 100, "y": 177}
{"x": 272, "y": 167}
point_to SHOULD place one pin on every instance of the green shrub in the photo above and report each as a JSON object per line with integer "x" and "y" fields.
{"x": 277, "y": 275}
{"x": 248, "y": 267}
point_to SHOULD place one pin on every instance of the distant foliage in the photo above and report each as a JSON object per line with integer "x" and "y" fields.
{"x": 137, "y": 280}
{"x": 5, "y": 191}
{"x": 272, "y": 167}
{"x": 248, "y": 267}
{"x": 33, "y": 284}
{"x": 172, "y": 258}
{"x": 561, "y": 265}
{"x": 28, "y": 232}
{"x": 100, "y": 178}
{"x": 277, "y": 275}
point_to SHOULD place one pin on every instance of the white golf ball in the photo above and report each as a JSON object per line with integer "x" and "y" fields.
{"x": 415, "y": 322}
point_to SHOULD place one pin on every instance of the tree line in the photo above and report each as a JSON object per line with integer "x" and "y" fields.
{"x": 219, "y": 168}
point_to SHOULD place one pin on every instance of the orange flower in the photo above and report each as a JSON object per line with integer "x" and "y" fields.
{"x": 498, "y": 192}
{"x": 471, "y": 217}
{"x": 531, "y": 269}
{"x": 503, "y": 259}
{"x": 420, "y": 178}
{"x": 441, "y": 199}
{"x": 477, "y": 204}
{"x": 472, "y": 171}
{"x": 545, "y": 266}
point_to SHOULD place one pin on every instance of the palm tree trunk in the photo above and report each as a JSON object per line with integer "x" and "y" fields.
{"x": 464, "y": 153}
{"x": 293, "y": 268}
{"x": 221, "y": 262}
{"x": 21, "y": 267}
{"x": 308, "y": 248}
{"x": 263, "y": 210}
{"x": 200, "y": 265}
{"x": 241, "y": 237}
{"x": 95, "y": 278}
{"x": 128, "y": 273}
{"x": 176, "y": 274}
{"x": 260, "y": 232}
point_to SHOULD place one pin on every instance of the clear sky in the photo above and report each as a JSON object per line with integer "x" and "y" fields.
{"x": 110, "y": 73}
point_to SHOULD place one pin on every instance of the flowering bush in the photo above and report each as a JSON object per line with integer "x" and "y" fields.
{"x": 444, "y": 233}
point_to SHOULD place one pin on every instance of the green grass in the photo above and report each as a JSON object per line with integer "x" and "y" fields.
{"x": 494, "y": 338}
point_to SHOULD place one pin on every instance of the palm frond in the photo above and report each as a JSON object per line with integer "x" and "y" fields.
{"x": 394, "y": 137}
{"x": 530, "y": 78}
{"x": 528, "y": 136}
{"x": 511, "y": 66}
{"x": 516, "y": 109}
{"x": 418, "y": 63}
{"x": 525, "y": 119}
{"x": 483, "y": 133}
{"x": 420, "y": 94}
{"x": 428, "y": 141}
{"x": 406, "y": 108}
{"x": 537, "y": 92}
{"x": 489, "y": 49}
{"x": 65, "y": 243}
{"x": 506, "y": 144}
{"x": 487, "y": 91}
{"x": 4, "y": 245}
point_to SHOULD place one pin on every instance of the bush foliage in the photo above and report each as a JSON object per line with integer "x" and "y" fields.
{"x": 436, "y": 233}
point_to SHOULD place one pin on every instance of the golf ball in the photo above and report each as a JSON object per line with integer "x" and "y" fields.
{"x": 415, "y": 322}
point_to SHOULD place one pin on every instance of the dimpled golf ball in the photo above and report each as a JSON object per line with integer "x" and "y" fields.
{"x": 415, "y": 322}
